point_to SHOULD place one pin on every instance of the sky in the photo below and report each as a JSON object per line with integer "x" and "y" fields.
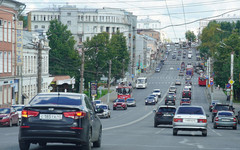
{"x": 179, "y": 13}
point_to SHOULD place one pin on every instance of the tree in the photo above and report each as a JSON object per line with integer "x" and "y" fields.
{"x": 63, "y": 58}
{"x": 190, "y": 36}
{"x": 24, "y": 19}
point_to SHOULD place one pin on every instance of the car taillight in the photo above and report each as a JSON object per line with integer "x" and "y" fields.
{"x": 215, "y": 111}
{"x": 216, "y": 119}
{"x": 202, "y": 120}
{"x": 74, "y": 114}
{"x": 29, "y": 113}
{"x": 234, "y": 120}
{"x": 177, "y": 120}
{"x": 159, "y": 113}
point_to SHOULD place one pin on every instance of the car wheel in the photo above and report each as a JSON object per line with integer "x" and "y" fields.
{"x": 145, "y": 103}
{"x": 98, "y": 142}
{"x": 155, "y": 124}
{"x": 114, "y": 108}
{"x": 42, "y": 144}
{"x": 24, "y": 145}
{"x": 10, "y": 123}
{"x": 175, "y": 131}
{"x": 204, "y": 132}
{"x": 88, "y": 144}
{"x": 235, "y": 127}
{"x": 214, "y": 126}
{"x": 125, "y": 108}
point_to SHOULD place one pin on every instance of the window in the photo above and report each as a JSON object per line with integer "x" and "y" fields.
{"x": 9, "y": 32}
{"x": 5, "y": 61}
{"x": 68, "y": 23}
{"x": 9, "y": 62}
{"x": 1, "y": 62}
{"x": 44, "y": 18}
{"x": 36, "y": 26}
{"x": 1, "y": 30}
{"x": 34, "y": 18}
{"x": 43, "y": 26}
{"x": 69, "y": 14}
{"x": 5, "y": 31}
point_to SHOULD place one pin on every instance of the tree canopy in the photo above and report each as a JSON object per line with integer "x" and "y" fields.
{"x": 190, "y": 36}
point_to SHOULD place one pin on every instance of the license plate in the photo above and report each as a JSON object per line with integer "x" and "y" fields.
{"x": 50, "y": 117}
{"x": 225, "y": 120}
{"x": 190, "y": 120}
{"x": 166, "y": 115}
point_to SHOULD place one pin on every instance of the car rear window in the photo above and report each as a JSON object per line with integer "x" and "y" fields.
{"x": 130, "y": 100}
{"x": 120, "y": 100}
{"x": 4, "y": 110}
{"x": 190, "y": 110}
{"x": 166, "y": 109}
{"x": 102, "y": 107}
{"x": 221, "y": 107}
{"x": 225, "y": 114}
{"x": 18, "y": 108}
{"x": 56, "y": 100}
{"x": 185, "y": 100}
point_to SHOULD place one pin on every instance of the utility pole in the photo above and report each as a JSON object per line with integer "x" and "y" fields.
{"x": 211, "y": 72}
{"x": 231, "y": 93}
{"x": 39, "y": 78}
{"x": 82, "y": 72}
{"x": 109, "y": 80}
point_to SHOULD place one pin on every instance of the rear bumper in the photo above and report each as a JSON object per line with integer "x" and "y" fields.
{"x": 225, "y": 124}
{"x": 190, "y": 127}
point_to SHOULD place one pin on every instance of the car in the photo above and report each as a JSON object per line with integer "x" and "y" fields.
{"x": 157, "y": 92}
{"x": 184, "y": 56}
{"x": 60, "y": 117}
{"x": 178, "y": 58}
{"x": 150, "y": 100}
{"x": 119, "y": 104}
{"x": 157, "y": 70}
{"x": 188, "y": 85}
{"x": 173, "y": 89}
{"x": 185, "y": 101}
{"x": 173, "y": 56}
{"x": 8, "y": 117}
{"x": 219, "y": 107}
{"x": 190, "y": 118}
{"x": 172, "y": 94}
{"x": 181, "y": 73}
{"x": 213, "y": 102}
{"x": 155, "y": 97}
{"x": 19, "y": 109}
{"x": 178, "y": 82}
{"x": 95, "y": 102}
{"x": 186, "y": 93}
{"x": 225, "y": 119}
{"x": 162, "y": 62}
{"x": 131, "y": 102}
{"x": 164, "y": 115}
{"x": 170, "y": 99}
{"x": 106, "y": 113}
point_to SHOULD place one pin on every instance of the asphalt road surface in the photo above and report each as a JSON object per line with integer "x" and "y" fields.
{"x": 132, "y": 129}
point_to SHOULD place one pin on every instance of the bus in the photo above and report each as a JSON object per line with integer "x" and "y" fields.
{"x": 202, "y": 81}
{"x": 141, "y": 82}
{"x": 124, "y": 92}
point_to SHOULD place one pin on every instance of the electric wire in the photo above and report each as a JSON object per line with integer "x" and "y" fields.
{"x": 184, "y": 16}
{"x": 170, "y": 19}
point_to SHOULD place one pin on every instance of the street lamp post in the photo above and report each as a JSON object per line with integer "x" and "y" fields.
{"x": 231, "y": 93}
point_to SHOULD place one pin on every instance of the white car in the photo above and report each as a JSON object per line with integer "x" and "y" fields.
{"x": 188, "y": 86}
{"x": 106, "y": 111}
{"x": 157, "y": 92}
{"x": 190, "y": 118}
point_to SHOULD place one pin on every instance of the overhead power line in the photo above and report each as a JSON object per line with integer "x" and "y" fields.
{"x": 170, "y": 19}
{"x": 184, "y": 16}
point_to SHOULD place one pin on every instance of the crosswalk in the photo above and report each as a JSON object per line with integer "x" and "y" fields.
{"x": 153, "y": 83}
{"x": 171, "y": 77}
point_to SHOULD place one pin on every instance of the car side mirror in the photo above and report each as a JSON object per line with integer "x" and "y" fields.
{"x": 154, "y": 111}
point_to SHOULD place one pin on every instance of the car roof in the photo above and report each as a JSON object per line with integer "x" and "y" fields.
{"x": 101, "y": 105}
{"x": 225, "y": 111}
{"x": 166, "y": 106}
{"x": 156, "y": 90}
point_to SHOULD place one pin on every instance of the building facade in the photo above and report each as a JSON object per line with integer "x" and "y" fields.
{"x": 9, "y": 11}
{"x": 141, "y": 54}
{"x": 85, "y": 23}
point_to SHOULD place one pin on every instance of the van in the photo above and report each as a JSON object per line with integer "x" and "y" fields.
{"x": 189, "y": 56}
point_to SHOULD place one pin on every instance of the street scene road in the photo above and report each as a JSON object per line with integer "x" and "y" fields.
{"x": 133, "y": 128}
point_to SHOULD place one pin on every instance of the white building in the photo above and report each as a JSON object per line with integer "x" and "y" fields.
{"x": 148, "y": 23}
{"x": 85, "y": 23}
{"x": 141, "y": 52}
{"x": 27, "y": 75}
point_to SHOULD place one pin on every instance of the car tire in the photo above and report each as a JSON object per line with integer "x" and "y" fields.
{"x": 175, "y": 131}
{"x": 88, "y": 144}
{"x": 214, "y": 126}
{"x": 10, "y": 123}
{"x": 24, "y": 145}
{"x": 17, "y": 123}
{"x": 98, "y": 142}
{"x": 155, "y": 124}
{"x": 145, "y": 103}
{"x": 42, "y": 144}
{"x": 114, "y": 108}
{"x": 204, "y": 133}
{"x": 235, "y": 127}
{"x": 125, "y": 108}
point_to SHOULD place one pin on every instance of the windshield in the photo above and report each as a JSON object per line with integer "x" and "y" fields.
{"x": 124, "y": 91}
{"x": 102, "y": 107}
{"x": 4, "y": 110}
{"x": 225, "y": 114}
{"x": 190, "y": 110}
{"x": 130, "y": 100}
{"x": 141, "y": 81}
{"x": 222, "y": 107}
{"x": 18, "y": 108}
{"x": 150, "y": 97}
{"x": 156, "y": 91}
{"x": 120, "y": 100}
{"x": 166, "y": 109}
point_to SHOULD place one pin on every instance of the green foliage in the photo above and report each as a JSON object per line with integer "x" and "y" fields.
{"x": 24, "y": 19}
{"x": 190, "y": 36}
{"x": 63, "y": 58}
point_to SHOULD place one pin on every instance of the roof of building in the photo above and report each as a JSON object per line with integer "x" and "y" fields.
{"x": 56, "y": 78}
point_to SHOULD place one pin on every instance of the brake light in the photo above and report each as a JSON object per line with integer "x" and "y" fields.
{"x": 215, "y": 111}
{"x": 78, "y": 128}
{"x": 74, "y": 114}
{"x": 177, "y": 120}
{"x": 202, "y": 120}
{"x": 24, "y": 127}
{"x": 29, "y": 113}
{"x": 216, "y": 119}
{"x": 159, "y": 113}
{"x": 234, "y": 120}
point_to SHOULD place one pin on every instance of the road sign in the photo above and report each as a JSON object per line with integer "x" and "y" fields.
{"x": 228, "y": 85}
{"x": 104, "y": 78}
{"x": 132, "y": 75}
{"x": 211, "y": 79}
{"x": 211, "y": 83}
{"x": 231, "y": 81}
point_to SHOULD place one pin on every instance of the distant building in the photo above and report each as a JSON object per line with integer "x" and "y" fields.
{"x": 149, "y": 32}
{"x": 148, "y": 23}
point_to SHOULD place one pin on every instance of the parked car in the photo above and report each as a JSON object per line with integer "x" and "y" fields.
{"x": 19, "y": 109}
{"x": 150, "y": 100}
{"x": 8, "y": 117}
{"x": 157, "y": 92}
{"x": 106, "y": 113}
{"x": 60, "y": 118}
{"x": 213, "y": 102}
{"x": 173, "y": 89}
{"x": 169, "y": 99}
{"x": 225, "y": 119}
{"x": 185, "y": 101}
{"x": 190, "y": 118}
{"x": 131, "y": 102}
{"x": 219, "y": 107}
{"x": 164, "y": 115}
{"x": 120, "y": 104}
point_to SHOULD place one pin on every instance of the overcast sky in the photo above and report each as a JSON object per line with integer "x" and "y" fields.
{"x": 169, "y": 12}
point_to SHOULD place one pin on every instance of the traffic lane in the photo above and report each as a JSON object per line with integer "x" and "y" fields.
{"x": 9, "y": 138}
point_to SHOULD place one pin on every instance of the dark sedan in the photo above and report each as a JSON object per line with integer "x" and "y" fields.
{"x": 60, "y": 118}
{"x": 150, "y": 100}
{"x": 164, "y": 115}
{"x": 225, "y": 119}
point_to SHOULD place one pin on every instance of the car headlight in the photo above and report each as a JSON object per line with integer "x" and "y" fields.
{"x": 146, "y": 101}
{"x": 6, "y": 117}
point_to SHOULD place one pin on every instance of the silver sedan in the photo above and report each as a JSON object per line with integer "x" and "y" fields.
{"x": 225, "y": 119}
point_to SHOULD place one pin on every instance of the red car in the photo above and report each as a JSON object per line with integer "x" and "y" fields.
{"x": 187, "y": 94}
{"x": 8, "y": 117}
{"x": 119, "y": 104}
{"x": 185, "y": 101}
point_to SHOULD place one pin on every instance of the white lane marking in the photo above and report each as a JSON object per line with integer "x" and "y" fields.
{"x": 139, "y": 119}
{"x": 200, "y": 146}
{"x": 214, "y": 131}
{"x": 184, "y": 141}
{"x": 160, "y": 131}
